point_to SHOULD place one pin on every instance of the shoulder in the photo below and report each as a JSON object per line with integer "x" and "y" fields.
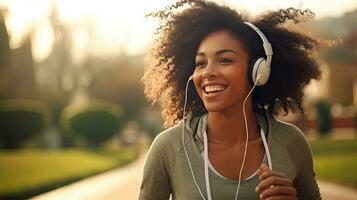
{"x": 171, "y": 138}
{"x": 280, "y": 131}
{"x": 295, "y": 142}
{"x": 288, "y": 134}
{"x": 167, "y": 141}
{"x": 161, "y": 156}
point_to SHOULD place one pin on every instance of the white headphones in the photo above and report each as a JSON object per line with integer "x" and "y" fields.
{"x": 260, "y": 66}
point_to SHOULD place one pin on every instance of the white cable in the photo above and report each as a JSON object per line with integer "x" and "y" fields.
{"x": 246, "y": 139}
{"x": 205, "y": 152}
{"x": 266, "y": 149}
{"x": 183, "y": 143}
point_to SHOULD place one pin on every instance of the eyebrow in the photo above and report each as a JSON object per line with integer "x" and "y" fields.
{"x": 218, "y": 52}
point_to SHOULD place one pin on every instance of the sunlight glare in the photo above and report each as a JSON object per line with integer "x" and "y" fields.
{"x": 111, "y": 27}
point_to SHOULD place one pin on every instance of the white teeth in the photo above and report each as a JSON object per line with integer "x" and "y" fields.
{"x": 214, "y": 88}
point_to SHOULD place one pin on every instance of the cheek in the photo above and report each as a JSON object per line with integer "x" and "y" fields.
{"x": 239, "y": 74}
{"x": 240, "y": 77}
{"x": 238, "y": 81}
{"x": 197, "y": 86}
{"x": 197, "y": 83}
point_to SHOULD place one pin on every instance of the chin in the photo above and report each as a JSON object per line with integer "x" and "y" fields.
{"x": 215, "y": 108}
{"x": 223, "y": 107}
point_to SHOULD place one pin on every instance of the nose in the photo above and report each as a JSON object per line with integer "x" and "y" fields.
{"x": 209, "y": 71}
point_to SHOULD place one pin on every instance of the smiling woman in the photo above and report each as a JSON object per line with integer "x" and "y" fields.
{"x": 243, "y": 74}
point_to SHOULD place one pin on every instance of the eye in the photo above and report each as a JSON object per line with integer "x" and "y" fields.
{"x": 225, "y": 61}
{"x": 200, "y": 64}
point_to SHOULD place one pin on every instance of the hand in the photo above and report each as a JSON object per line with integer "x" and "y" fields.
{"x": 274, "y": 186}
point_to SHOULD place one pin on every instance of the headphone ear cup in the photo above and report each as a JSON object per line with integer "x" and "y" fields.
{"x": 259, "y": 67}
{"x": 250, "y": 71}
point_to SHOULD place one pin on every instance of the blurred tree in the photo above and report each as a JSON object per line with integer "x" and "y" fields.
{"x": 16, "y": 66}
{"x": 4, "y": 42}
{"x": 120, "y": 82}
{"x": 55, "y": 73}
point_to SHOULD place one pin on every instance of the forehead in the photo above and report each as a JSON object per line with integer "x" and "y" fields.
{"x": 220, "y": 40}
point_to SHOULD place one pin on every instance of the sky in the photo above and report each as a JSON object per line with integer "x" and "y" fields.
{"x": 120, "y": 25}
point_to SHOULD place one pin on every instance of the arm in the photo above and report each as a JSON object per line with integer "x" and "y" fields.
{"x": 155, "y": 184}
{"x": 305, "y": 183}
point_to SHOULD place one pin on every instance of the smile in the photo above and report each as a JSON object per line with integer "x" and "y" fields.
{"x": 214, "y": 89}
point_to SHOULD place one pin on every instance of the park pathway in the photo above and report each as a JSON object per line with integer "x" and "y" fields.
{"x": 124, "y": 183}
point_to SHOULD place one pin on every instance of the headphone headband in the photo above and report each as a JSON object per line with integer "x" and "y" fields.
{"x": 266, "y": 44}
{"x": 259, "y": 70}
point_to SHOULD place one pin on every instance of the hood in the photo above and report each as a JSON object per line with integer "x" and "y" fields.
{"x": 195, "y": 124}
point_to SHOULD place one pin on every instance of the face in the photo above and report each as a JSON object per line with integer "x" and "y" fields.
{"x": 220, "y": 76}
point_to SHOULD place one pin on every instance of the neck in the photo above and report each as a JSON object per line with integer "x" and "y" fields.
{"x": 229, "y": 127}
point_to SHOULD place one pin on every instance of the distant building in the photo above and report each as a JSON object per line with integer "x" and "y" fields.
{"x": 341, "y": 82}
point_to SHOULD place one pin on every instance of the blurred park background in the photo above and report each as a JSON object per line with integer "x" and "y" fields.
{"x": 72, "y": 104}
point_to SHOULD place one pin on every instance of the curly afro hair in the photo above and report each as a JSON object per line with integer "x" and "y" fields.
{"x": 185, "y": 24}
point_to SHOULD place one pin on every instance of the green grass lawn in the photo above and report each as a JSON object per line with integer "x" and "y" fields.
{"x": 28, "y": 172}
{"x": 336, "y": 161}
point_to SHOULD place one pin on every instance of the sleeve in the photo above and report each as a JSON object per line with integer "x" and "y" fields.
{"x": 306, "y": 185}
{"x": 155, "y": 184}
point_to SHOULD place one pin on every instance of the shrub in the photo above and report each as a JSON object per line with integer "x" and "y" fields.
{"x": 356, "y": 120}
{"x": 94, "y": 121}
{"x": 324, "y": 117}
{"x": 21, "y": 119}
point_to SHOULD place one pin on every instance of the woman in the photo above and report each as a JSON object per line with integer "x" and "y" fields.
{"x": 229, "y": 144}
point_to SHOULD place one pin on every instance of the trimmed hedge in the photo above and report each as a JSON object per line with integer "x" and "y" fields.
{"x": 21, "y": 119}
{"x": 94, "y": 121}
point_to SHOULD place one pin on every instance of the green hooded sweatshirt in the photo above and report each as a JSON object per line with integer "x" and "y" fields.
{"x": 167, "y": 171}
